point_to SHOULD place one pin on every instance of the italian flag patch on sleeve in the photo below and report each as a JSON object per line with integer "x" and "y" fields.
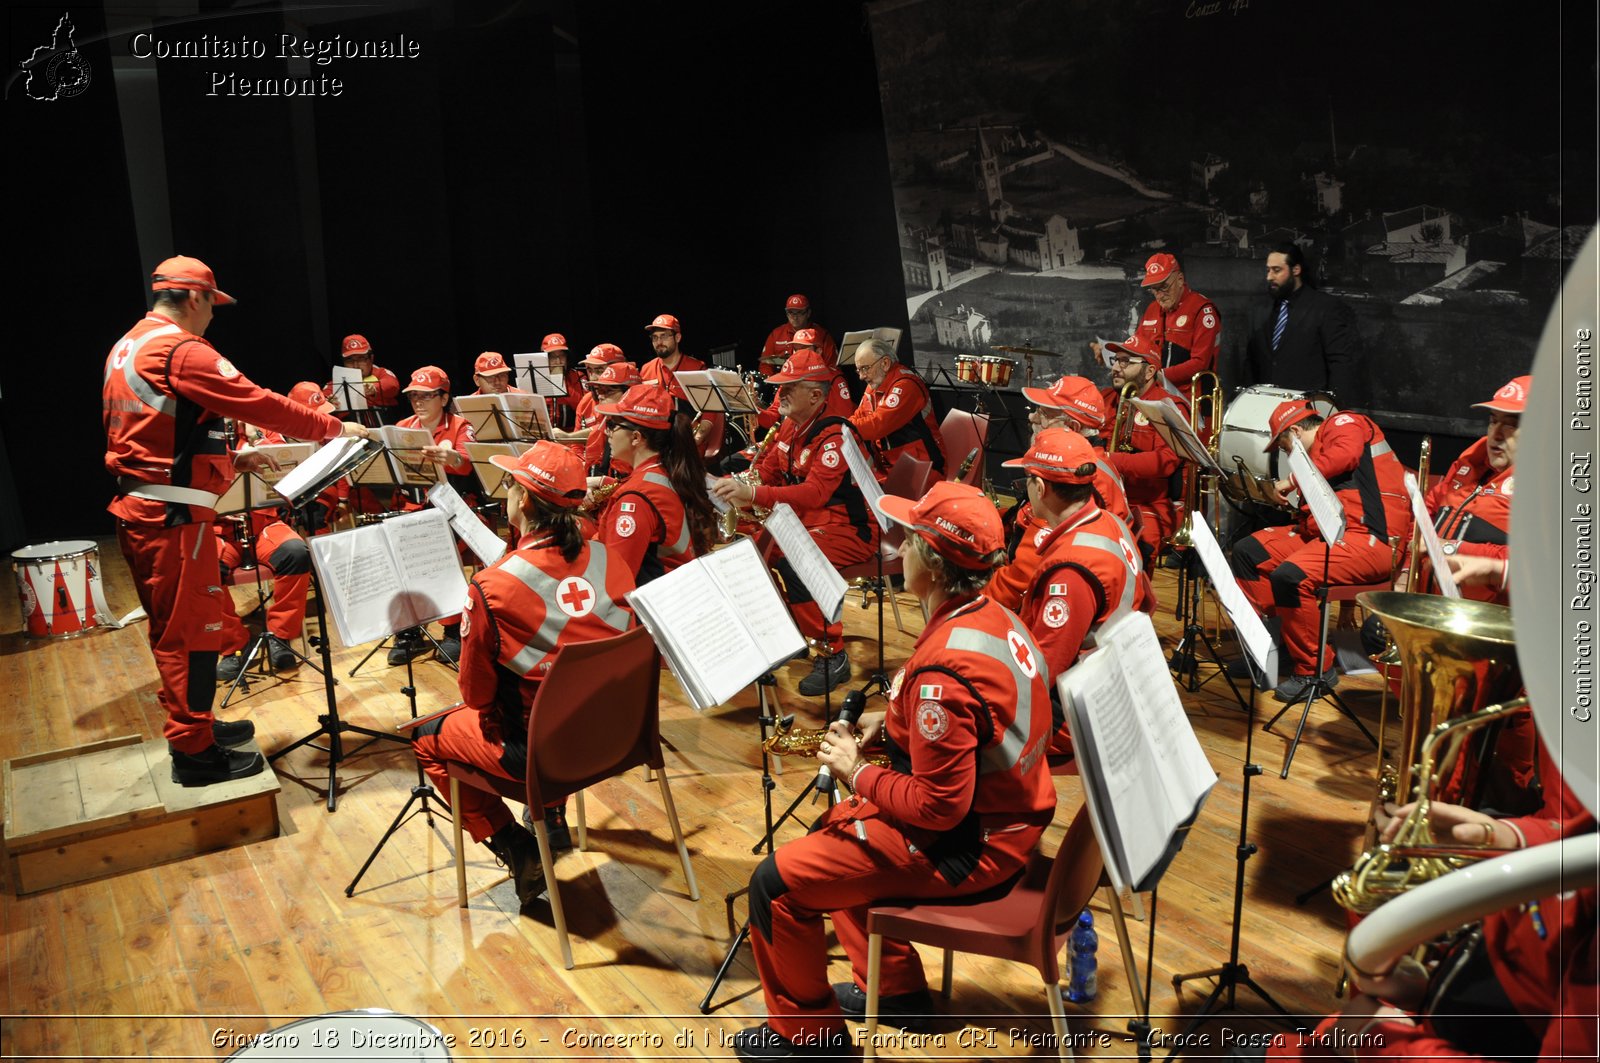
{"x": 1056, "y": 590}
{"x": 930, "y": 692}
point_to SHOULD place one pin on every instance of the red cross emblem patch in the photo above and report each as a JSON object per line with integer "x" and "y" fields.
{"x": 625, "y": 525}
{"x": 932, "y": 721}
{"x": 575, "y": 596}
{"x": 1021, "y": 653}
{"x": 1055, "y": 612}
{"x": 1129, "y": 556}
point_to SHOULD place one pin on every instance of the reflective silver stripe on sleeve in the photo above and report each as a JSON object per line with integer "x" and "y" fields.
{"x": 525, "y": 658}
{"x": 679, "y": 546}
{"x": 1003, "y": 755}
{"x": 612, "y": 613}
{"x": 1380, "y": 449}
{"x": 1110, "y": 470}
{"x": 1114, "y": 548}
{"x": 142, "y": 388}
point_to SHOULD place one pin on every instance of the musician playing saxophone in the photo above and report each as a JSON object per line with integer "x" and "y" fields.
{"x": 1142, "y": 457}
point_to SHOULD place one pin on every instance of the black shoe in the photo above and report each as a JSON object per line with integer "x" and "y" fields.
{"x": 408, "y": 646}
{"x": 450, "y": 649}
{"x": 827, "y": 672}
{"x": 909, "y": 1011}
{"x": 1244, "y": 668}
{"x": 229, "y": 667}
{"x": 232, "y": 732}
{"x": 215, "y": 764}
{"x": 281, "y": 655}
{"x": 555, "y": 825}
{"x": 519, "y": 851}
{"x": 1296, "y": 686}
{"x": 764, "y": 1043}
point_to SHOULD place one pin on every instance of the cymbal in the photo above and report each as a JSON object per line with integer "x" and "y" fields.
{"x": 1024, "y": 350}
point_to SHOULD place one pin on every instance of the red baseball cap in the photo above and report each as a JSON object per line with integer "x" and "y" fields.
{"x": 490, "y": 363}
{"x": 617, "y": 375}
{"x": 1136, "y": 346}
{"x": 1158, "y": 269}
{"x": 603, "y": 354}
{"x": 1074, "y": 395}
{"x": 797, "y": 302}
{"x": 646, "y": 405}
{"x": 549, "y": 470}
{"x": 1512, "y": 396}
{"x": 354, "y": 344}
{"x": 1286, "y": 415}
{"x": 956, "y": 519}
{"x": 553, "y": 342}
{"x": 428, "y": 378}
{"x": 190, "y": 274}
{"x": 1058, "y": 454}
{"x": 804, "y": 364}
{"x": 805, "y": 337}
{"x": 308, "y": 394}
{"x": 665, "y": 322}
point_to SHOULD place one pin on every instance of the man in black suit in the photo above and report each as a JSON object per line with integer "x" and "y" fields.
{"x": 1308, "y": 341}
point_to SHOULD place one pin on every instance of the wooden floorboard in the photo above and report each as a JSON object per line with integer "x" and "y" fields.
{"x": 181, "y": 960}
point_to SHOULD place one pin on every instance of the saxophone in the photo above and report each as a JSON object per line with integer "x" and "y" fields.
{"x": 787, "y": 740}
{"x": 751, "y": 476}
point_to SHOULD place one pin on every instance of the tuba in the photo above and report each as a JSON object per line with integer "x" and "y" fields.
{"x": 1460, "y": 668}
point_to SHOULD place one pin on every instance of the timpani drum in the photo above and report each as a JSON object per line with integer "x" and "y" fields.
{"x": 1244, "y": 426}
{"x": 368, "y": 1034}
{"x": 59, "y": 584}
{"x": 967, "y": 366}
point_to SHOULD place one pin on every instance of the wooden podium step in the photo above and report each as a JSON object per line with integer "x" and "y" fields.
{"x": 108, "y": 807}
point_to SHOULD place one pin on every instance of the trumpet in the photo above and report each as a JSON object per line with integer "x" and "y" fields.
{"x": 1120, "y": 424}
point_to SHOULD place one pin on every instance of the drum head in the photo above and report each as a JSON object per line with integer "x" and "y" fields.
{"x": 56, "y": 551}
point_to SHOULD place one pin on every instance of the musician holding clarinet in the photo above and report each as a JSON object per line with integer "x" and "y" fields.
{"x": 930, "y": 825}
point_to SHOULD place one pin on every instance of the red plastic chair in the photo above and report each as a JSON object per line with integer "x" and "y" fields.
{"x": 1028, "y": 925}
{"x": 907, "y": 479}
{"x": 597, "y": 714}
{"x": 962, "y": 433}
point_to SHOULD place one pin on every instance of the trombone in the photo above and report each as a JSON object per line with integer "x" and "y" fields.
{"x": 1120, "y": 425}
{"x": 1200, "y": 485}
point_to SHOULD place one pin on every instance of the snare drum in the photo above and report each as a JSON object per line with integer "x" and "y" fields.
{"x": 1245, "y": 426}
{"x": 967, "y": 368}
{"x": 59, "y": 584}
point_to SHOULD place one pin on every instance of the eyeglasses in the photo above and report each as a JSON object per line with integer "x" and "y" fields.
{"x": 1165, "y": 286}
{"x": 862, "y": 367}
{"x": 1127, "y": 361}
{"x": 417, "y": 396}
{"x": 612, "y": 425}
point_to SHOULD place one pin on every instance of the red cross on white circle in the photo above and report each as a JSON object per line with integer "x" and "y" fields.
{"x": 1023, "y": 655}
{"x": 1128, "y": 555}
{"x": 575, "y": 596}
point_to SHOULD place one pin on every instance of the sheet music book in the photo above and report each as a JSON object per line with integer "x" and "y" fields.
{"x": 329, "y": 457}
{"x": 719, "y": 391}
{"x": 400, "y": 463}
{"x": 719, "y": 621}
{"x": 253, "y": 490}
{"x": 1145, "y": 777}
{"x": 534, "y": 375}
{"x": 1430, "y": 540}
{"x": 827, "y": 587}
{"x": 1326, "y": 509}
{"x": 861, "y": 469}
{"x": 479, "y": 539}
{"x": 1253, "y": 634}
{"x": 495, "y": 480}
{"x": 883, "y": 334}
{"x": 716, "y": 500}
{"x": 1173, "y": 427}
{"x": 349, "y": 389}
{"x": 390, "y": 576}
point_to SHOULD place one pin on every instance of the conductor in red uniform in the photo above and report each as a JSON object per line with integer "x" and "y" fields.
{"x": 554, "y": 589}
{"x": 960, "y": 807}
{"x": 165, "y": 393}
{"x": 896, "y": 413}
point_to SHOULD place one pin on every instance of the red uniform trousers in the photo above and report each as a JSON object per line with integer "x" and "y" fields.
{"x": 288, "y": 563}
{"x": 842, "y": 546}
{"x": 1279, "y": 571}
{"x": 1158, "y": 519}
{"x": 833, "y": 870}
{"x": 467, "y": 736}
{"x": 175, "y": 572}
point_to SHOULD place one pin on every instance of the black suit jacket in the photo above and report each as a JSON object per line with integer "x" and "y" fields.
{"x": 1321, "y": 348}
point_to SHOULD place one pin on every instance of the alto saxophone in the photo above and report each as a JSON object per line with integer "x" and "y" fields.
{"x": 751, "y": 476}
{"x": 787, "y": 740}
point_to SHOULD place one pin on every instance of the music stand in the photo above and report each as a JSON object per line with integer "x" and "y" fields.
{"x": 535, "y": 376}
{"x": 725, "y": 356}
{"x": 718, "y": 391}
{"x": 329, "y": 724}
{"x": 350, "y": 397}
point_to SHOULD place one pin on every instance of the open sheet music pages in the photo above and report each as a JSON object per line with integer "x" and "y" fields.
{"x": 479, "y": 539}
{"x": 716, "y": 500}
{"x": 884, "y": 334}
{"x": 1145, "y": 776}
{"x": 1326, "y": 508}
{"x": 494, "y": 479}
{"x": 1179, "y": 436}
{"x": 827, "y": 587}
{"x": 1253, "y": 634}
{"x": 349, "y": 389}
{"x": 481, "y": 412}
{"x": 401, "y": 461}
{"x": 718, "y": 390}
{"x": 534, "y": 375}
{"x": 327, "y": 458}
{"x": 390, "y": 576}
{"x": 719, "y": 622}
{"x": 1105, "y": 353}
{"x": 861, "y": 469}
{"x": 1430, "y": 540}
{"x": 253, "y": 490}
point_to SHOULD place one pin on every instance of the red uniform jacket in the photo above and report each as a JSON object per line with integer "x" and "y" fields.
{"x": 1147, "y": 469}
{"x": 1471, "y": 505}
{"x": 966, "y": 730}
{"x": 1088, "y": 573}
{"x": 644, "y": 526}
{"x": 806, "y": 469}
{"x": 164, "y": 395}
{"x": 897, "y": 418}
{"x": 1356, "y": 460}
{"x": 777, "y": 348}
{"x": 383, "y": 388}
{"x": 1188, "y": 337}
{"x": 454, "y": 429}
{"x": 655, "y": 371}
{"x": 839, "y": 403}
{"x": 591, "y": 450}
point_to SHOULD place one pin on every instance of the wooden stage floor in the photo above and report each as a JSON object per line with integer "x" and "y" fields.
{"x": 182, "y": 961}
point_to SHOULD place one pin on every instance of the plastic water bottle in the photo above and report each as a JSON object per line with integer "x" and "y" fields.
{"x": 1082, "y": 945}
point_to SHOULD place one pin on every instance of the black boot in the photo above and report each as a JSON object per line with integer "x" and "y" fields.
{"x": 214, "y": 764}
{"x": 555, "y": 823}
{"x": 518, "y": 850}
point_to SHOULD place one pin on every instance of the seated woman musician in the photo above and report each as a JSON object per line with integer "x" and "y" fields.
{"x": 554, "y": 589}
